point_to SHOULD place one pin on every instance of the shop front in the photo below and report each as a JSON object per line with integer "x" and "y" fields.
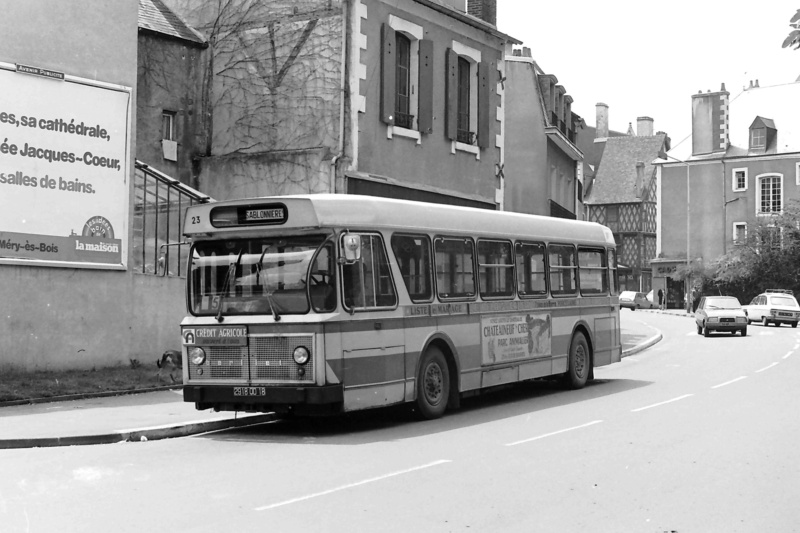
{"x": 673, "y": 291}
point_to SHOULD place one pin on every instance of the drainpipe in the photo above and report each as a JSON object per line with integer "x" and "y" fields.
{"x": 343, "y": 93}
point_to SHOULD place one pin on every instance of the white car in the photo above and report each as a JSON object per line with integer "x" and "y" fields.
{"x": 634, "y": 300}
{"x": 773, "y": 306}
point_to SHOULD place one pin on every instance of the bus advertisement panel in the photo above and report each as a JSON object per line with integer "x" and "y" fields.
{"x": 63, "y": 169}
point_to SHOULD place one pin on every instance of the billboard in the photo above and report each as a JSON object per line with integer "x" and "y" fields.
{"x": 64, "y": 166}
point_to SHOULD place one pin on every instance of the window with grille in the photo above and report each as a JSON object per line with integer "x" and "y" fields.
{"x": 455, "y": 273}
{"x": 413, "y": 256}
{"x": 739, "y": 233}
{"x": 403, "y": 117}
{"x": 758, "y": 138}
{"x": 531, "y": 269}
{"x": 495, "y": 269}
{"x": 159, "y": 208}
{"x": 739, "y": 179}
{"x": 770, "y": 194}
{"x": 563, "y": 269}
{"x": 464, "y": 90}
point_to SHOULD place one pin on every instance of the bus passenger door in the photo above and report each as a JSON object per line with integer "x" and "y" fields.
{"x": 372, "y": 340}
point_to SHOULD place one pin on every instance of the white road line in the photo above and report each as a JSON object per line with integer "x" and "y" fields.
{"x": 796, "y": 346}
{"x": 729, "y": 382}
{"x": 766, "y": 367}
{"x": 351, "y": 485}
{"x": 661, "y": 403}
{"x": 553, "y": 433}
{"x": 787, "y": 355}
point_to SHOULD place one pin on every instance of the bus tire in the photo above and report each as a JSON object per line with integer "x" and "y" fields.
{"x": 433, "y": 387}
{"x": 579, "y": 362}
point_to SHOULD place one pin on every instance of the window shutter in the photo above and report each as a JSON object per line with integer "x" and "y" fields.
{"x": 388, "y": 83}
{"x": 425, "y": 106}
{"x": 484, "y": 107}
{"x": 451, "y": 94}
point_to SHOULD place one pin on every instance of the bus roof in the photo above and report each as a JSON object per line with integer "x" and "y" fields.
{"x": 358, "y": 212}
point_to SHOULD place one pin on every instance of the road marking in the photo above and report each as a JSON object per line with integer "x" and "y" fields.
{"x": 729, "y": 382}
{"x": 553, "y": 433}
{"x": 351, "y": 485}
{"x": 796, "y": 346}
{"x": 766, "y": 367}
{"x": 661, "y": 403}
{"x": 787, "y": 355}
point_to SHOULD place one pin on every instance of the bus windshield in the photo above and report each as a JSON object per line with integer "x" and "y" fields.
{"x": 262, "y": 276}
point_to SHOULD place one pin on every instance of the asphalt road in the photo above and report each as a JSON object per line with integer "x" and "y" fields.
{"x": 694, "y": 434}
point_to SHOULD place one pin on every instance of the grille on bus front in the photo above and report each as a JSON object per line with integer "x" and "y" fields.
{"x": 271, "y": 358}
{"x": 266, "y": 359}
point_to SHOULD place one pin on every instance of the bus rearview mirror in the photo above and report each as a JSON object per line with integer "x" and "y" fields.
{"x": 352, "y": 247}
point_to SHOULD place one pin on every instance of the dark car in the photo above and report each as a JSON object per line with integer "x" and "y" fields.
{"x": 720, "y": 313}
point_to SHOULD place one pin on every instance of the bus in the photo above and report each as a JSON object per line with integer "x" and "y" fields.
{"x": 328, "y": 303}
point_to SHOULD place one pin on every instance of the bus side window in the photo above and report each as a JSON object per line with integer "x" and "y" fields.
{"x": 592, "y": 271}
{"x": 531, "y": 271}
{"x": 612, "y": 272}
{"x": 413, "y": 256}
{"x": 368, "y": 282}
{"x": 562, "y": 270}
{"x": 495, "y": 269}
{"x": 455, "y": 271}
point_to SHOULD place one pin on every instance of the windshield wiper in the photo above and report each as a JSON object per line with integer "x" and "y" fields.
{"x": 270, "y": 299}
{"x": 226, "y": 286}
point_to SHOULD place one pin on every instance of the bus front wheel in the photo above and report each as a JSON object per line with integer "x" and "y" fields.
{"x": 433, "y": 385}
{"x": 579, "y": 363}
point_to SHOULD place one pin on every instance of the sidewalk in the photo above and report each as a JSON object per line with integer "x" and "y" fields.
{"x": 164, "y": 414}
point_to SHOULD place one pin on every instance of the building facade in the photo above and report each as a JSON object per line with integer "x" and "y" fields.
{"x": 623, "y": 196}
{"x": 543, "y": 165}
{"x": 72, "y": 300}
{"x": 400, "y": 99}
{"x": 740, "y": 170}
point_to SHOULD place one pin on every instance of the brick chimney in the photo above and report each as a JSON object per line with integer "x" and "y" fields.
{"x": 710, "y": 122}
{"x": 644, "y": 127}
{"x": 601, "y": 130}
{"x": 485, "y": 10}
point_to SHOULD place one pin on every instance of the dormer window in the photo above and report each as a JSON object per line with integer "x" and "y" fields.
{"x": 758, "y": 138}
{"x": 763, "y": 134}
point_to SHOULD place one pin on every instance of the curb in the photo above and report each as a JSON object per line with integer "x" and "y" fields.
{"x": 139, "y": 435}
{"x": 643, "y": 346}
{"x": 71, "y": 397}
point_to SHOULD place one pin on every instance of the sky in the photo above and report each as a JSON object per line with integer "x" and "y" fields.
{"x": 645, "y": 58}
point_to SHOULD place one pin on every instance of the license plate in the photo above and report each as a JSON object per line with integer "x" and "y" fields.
{"x": 249, "y": 391}
{"x": 790, "y": 315}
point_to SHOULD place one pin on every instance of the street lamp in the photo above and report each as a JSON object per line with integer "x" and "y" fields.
{"x": 663, "y": 155}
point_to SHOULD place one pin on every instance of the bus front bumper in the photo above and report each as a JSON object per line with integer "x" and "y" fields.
{"x": 264, "y": 398}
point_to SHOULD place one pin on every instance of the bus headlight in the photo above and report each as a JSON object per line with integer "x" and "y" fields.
{"x": 197, "y": 355}
{"x": 300, "y": 355}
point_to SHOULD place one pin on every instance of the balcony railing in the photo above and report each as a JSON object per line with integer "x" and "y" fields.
{"x": 466, "y": 137}
{"x": 404, "y": 120}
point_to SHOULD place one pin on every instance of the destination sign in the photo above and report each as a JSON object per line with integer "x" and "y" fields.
{"x": 253, "y": 215}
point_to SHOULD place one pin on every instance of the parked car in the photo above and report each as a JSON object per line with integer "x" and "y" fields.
{"x": 634, "y": 300}
{"x": 774, "y": 306}
{"x": 720, "y": 313}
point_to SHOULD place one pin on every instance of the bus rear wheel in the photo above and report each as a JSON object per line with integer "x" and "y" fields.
{"x": 579, "y": 363}
{"x": 433, "y": 385}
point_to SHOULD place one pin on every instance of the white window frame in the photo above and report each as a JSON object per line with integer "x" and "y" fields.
{"x": 736, "y": 241}
{"x": 734, "y": 183}
{"x": 415, "y": 34}
{"x": 169, "y": 118}
{"x": 759, "y": 179}
{"x": 762, "y": 137}
{"x": 474, "y": 57}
